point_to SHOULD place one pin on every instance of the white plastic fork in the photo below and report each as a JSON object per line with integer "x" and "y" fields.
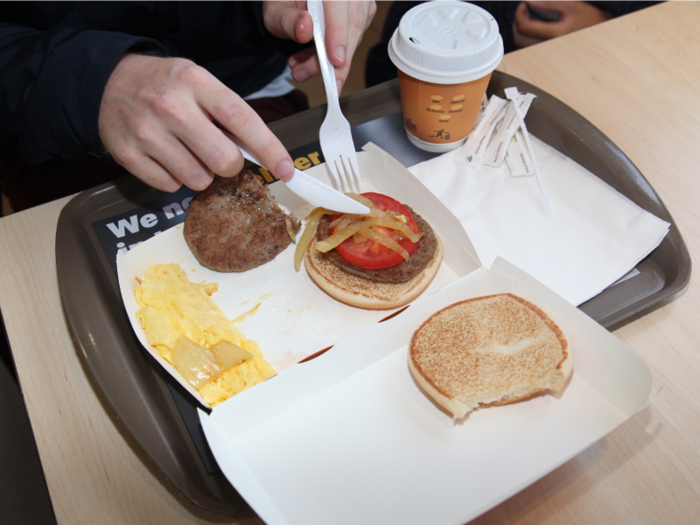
{"x": 335, "y": 136}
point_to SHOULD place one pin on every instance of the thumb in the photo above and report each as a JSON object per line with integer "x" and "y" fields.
{"x": 284, "y": 20}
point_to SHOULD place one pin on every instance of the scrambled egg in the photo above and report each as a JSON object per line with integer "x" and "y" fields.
{"x": 171, "y": 306}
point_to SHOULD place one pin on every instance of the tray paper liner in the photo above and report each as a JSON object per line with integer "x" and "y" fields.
{"x": 348, "y": 437}
{"x": 596, "y": 236}
{"x": 295, "y": 318}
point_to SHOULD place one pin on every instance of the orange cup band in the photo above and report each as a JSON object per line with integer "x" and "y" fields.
{"x": 440, "y": 113}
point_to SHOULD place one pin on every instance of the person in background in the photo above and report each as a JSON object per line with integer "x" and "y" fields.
{"x": 521, "y": 24}
{"x": 90, "y": 91}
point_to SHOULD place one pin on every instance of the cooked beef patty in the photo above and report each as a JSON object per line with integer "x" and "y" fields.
{"x": 235, "y": 224}
{"x": 400, "y": 273}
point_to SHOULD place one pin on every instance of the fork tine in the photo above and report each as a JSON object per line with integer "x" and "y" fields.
{"x": 341, "y": 173}
{"x": 350, "y": 178}
{"x": 347, "y": 175}
{"x": 336, "y": 179}
{"x": 355, "y": 171}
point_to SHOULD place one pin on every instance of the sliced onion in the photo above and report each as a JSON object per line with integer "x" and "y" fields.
{"x": 361, "y": 199}
{"x": 196, "y": 364}
{"x": 344, "y": 221}
{"x": 340, "y": 235}
{"x": 228, "y": 355}
{"x": 352, "y": 225}
{"x": 358, "y": 238}
{"x": 290, "y": 230}
{"x": 397, "y": 225}
{"x": 388, "y": 219}
{"x": 347, "y": 218}
{"x": 384, "y": 240}
{"x": 309, "y": 230}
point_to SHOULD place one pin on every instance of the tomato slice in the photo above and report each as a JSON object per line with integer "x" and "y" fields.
{"x": 371, "y": 255}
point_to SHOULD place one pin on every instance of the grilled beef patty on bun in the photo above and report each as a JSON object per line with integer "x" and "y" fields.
{"x": 364, "y": 273}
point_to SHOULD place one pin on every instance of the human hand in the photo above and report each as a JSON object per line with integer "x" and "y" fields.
{"x": 572, "y": 17}
{"x": 161, "y": 119}
{"x": 345, "y": 24}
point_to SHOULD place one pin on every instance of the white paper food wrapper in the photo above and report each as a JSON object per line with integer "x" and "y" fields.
{"x": 355, "y": 416}
{"x": 296, "y": 319}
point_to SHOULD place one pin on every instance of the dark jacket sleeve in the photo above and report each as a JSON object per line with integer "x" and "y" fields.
{"x": 51, "y": 85}
{"x": 623, "y": 8}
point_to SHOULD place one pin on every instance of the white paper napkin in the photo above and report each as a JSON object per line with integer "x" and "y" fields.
{"x": 596, "y": 236}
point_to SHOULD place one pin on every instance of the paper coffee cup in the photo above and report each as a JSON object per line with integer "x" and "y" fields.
{"x": 445, "y": 52}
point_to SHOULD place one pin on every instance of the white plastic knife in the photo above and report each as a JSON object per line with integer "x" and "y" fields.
{"x": 313, "y": 191}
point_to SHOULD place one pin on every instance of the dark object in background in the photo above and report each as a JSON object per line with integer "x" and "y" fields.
{"x": 24, "y": 496}
{"x": 543, "y": 15}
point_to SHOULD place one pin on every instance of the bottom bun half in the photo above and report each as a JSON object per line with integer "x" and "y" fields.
{"x": 363, "y": 293}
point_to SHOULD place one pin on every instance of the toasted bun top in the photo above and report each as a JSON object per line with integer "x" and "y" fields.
{"x": 489, "y": 350}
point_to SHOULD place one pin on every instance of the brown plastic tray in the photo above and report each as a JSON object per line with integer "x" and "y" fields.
{"x": 147, "y": 404}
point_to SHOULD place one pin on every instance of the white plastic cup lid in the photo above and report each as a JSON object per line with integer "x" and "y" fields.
{"x": 446, "y": 42}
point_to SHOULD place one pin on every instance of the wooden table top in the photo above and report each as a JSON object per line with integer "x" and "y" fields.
{"x": 636, "y": 78}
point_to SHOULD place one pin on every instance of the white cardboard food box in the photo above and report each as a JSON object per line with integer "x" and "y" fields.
{"x": 348, "y": 437}
{"x": 295, "y": 318}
